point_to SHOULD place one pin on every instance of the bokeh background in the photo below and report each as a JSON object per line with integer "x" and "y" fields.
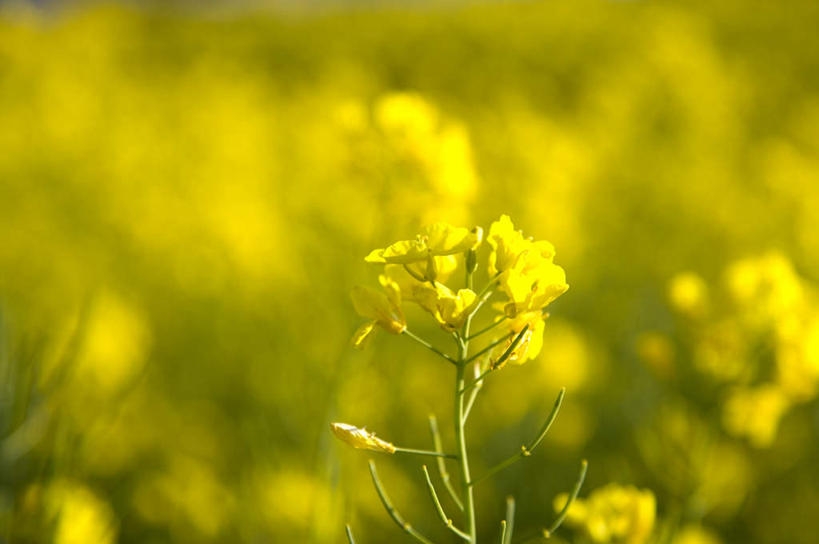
{"x": 187, "y": 195}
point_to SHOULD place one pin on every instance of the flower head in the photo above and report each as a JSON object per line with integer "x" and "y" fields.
{"x": 447, "y": 307}
{"x": 383, "y": 308}
{"x": 525, "y": 267}
{"x": 436, "y": 240}
{"x": 360, "y": 438}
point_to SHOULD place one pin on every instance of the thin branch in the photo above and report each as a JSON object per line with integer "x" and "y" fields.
{"x": 440, "y": 509}
{"x": 429, "y": 346}
{"x": 489, "y": 327}
{"x": 436, "y": 440}
{"x": 510, "y": 520}
{"x": 426, "y": 452}
{"x": 396, "y": 517}
{"x": 474, "y": 394}
{"x": 526, "y": 451}
{"x": 489, "y": 347}
{"x": 584, "y": 465}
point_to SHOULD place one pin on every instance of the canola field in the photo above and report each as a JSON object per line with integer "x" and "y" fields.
{"x": 187, "y": 200}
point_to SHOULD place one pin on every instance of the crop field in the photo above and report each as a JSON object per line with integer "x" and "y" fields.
{"x": 187, "y": 199}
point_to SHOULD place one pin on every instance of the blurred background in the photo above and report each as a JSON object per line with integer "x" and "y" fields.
{"x": 187, "y": 194}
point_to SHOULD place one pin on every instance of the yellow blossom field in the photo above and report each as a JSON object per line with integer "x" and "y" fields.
{"x": 246, "y": 253}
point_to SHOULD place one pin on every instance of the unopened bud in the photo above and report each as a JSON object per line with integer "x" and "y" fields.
{"x": 360, "y": 438}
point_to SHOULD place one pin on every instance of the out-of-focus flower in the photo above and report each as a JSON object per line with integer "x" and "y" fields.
{"x": 768, "y": 284}
{"x": 613, "y": 513}
{"x": 81, "y": 516}
{"x": 447, "y": 307}
{"x": 688, "y": 294}
{"x": 384, "y": 309}
{"x": 755, "y": 413}
{"x": 696, "y": 534}
{"x": 527, "y": 272}
{"x": 360, "y": 438}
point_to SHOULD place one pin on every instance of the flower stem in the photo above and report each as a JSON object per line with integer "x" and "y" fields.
{"x": 396, "y": 517}
{"x": 425, "y": 452}
{"x": 584, "y": 465}
{"x": 440, "y": 509}
{"x": 460, "y": 436}
{"x": 349, "y": 532}
{"x": 489, "y": 327}
{"x": 526, "y": 451}
{"x": 510, "y": 520}
{"x": 429, "y": 346}
{"x": 436, "y": 440}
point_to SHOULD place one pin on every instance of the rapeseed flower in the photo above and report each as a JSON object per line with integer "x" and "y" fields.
{"x": 436, "y": 240}
{"x": 525, "y": 268}
{"x": 383, "y": 308}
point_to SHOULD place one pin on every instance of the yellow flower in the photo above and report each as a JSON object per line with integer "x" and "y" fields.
{"x": 507, "y": 244}
{"x": 436, "y": 240}
{"x": 527, "y": 272}
{"x": 755, "y": 413}
{"x": 696, "y": 534}
{"x": 414, "y": 274}
{"x": 447, "y": 307}
{"x": 613, "y": 513}
{"x": 384, "y": 309}
{"x": 532, "y": 284}
{"x": 360, "y": 438}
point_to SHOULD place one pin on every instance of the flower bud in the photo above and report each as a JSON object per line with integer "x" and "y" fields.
{"x": 360, "y": 438}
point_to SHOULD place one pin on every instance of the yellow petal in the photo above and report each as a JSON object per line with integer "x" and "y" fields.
{"x": 362, "y": 334}
{"x": 444, "y": 239}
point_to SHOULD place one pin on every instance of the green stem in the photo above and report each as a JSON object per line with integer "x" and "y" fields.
{"x": 503, "y": 532}
{"x": 489, "y": 327}
{"x": 440, "y": 509}
{"x": 460, "y": 436}
{"x": 526, "y": 451}
{"x": 489, "y": 347}
{"x": 426, "y": 452}
{"x": 584, "y": 465}
{"x": 436, "y": 440}
{"x": 463, "y": 458}
{"x": 510, "y": 520}
{"x": 349, "y": 532}
{"x": 429, "y": 346}
{"x": 396, "y": 517}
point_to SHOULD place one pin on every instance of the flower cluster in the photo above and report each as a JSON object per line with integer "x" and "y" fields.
{"x": 758, "y": 337}
{"x": 416, "y": 270}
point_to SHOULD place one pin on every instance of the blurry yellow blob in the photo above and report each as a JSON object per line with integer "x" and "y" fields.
{"x": 567, "y": 358}
{"x": 116, "y": 341}
{"x": 613, "y": 513}
{"x": 688, "y": 294}
{"x": 81, "y": 516}
{"x": 187, "y": 496}
{"x": 299, "y": 501}
{"x": 696, "y": 534}
{"x": 755, "y": 413}
{"x": 767, "y": 283}
{"x": 797, "y": 360}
